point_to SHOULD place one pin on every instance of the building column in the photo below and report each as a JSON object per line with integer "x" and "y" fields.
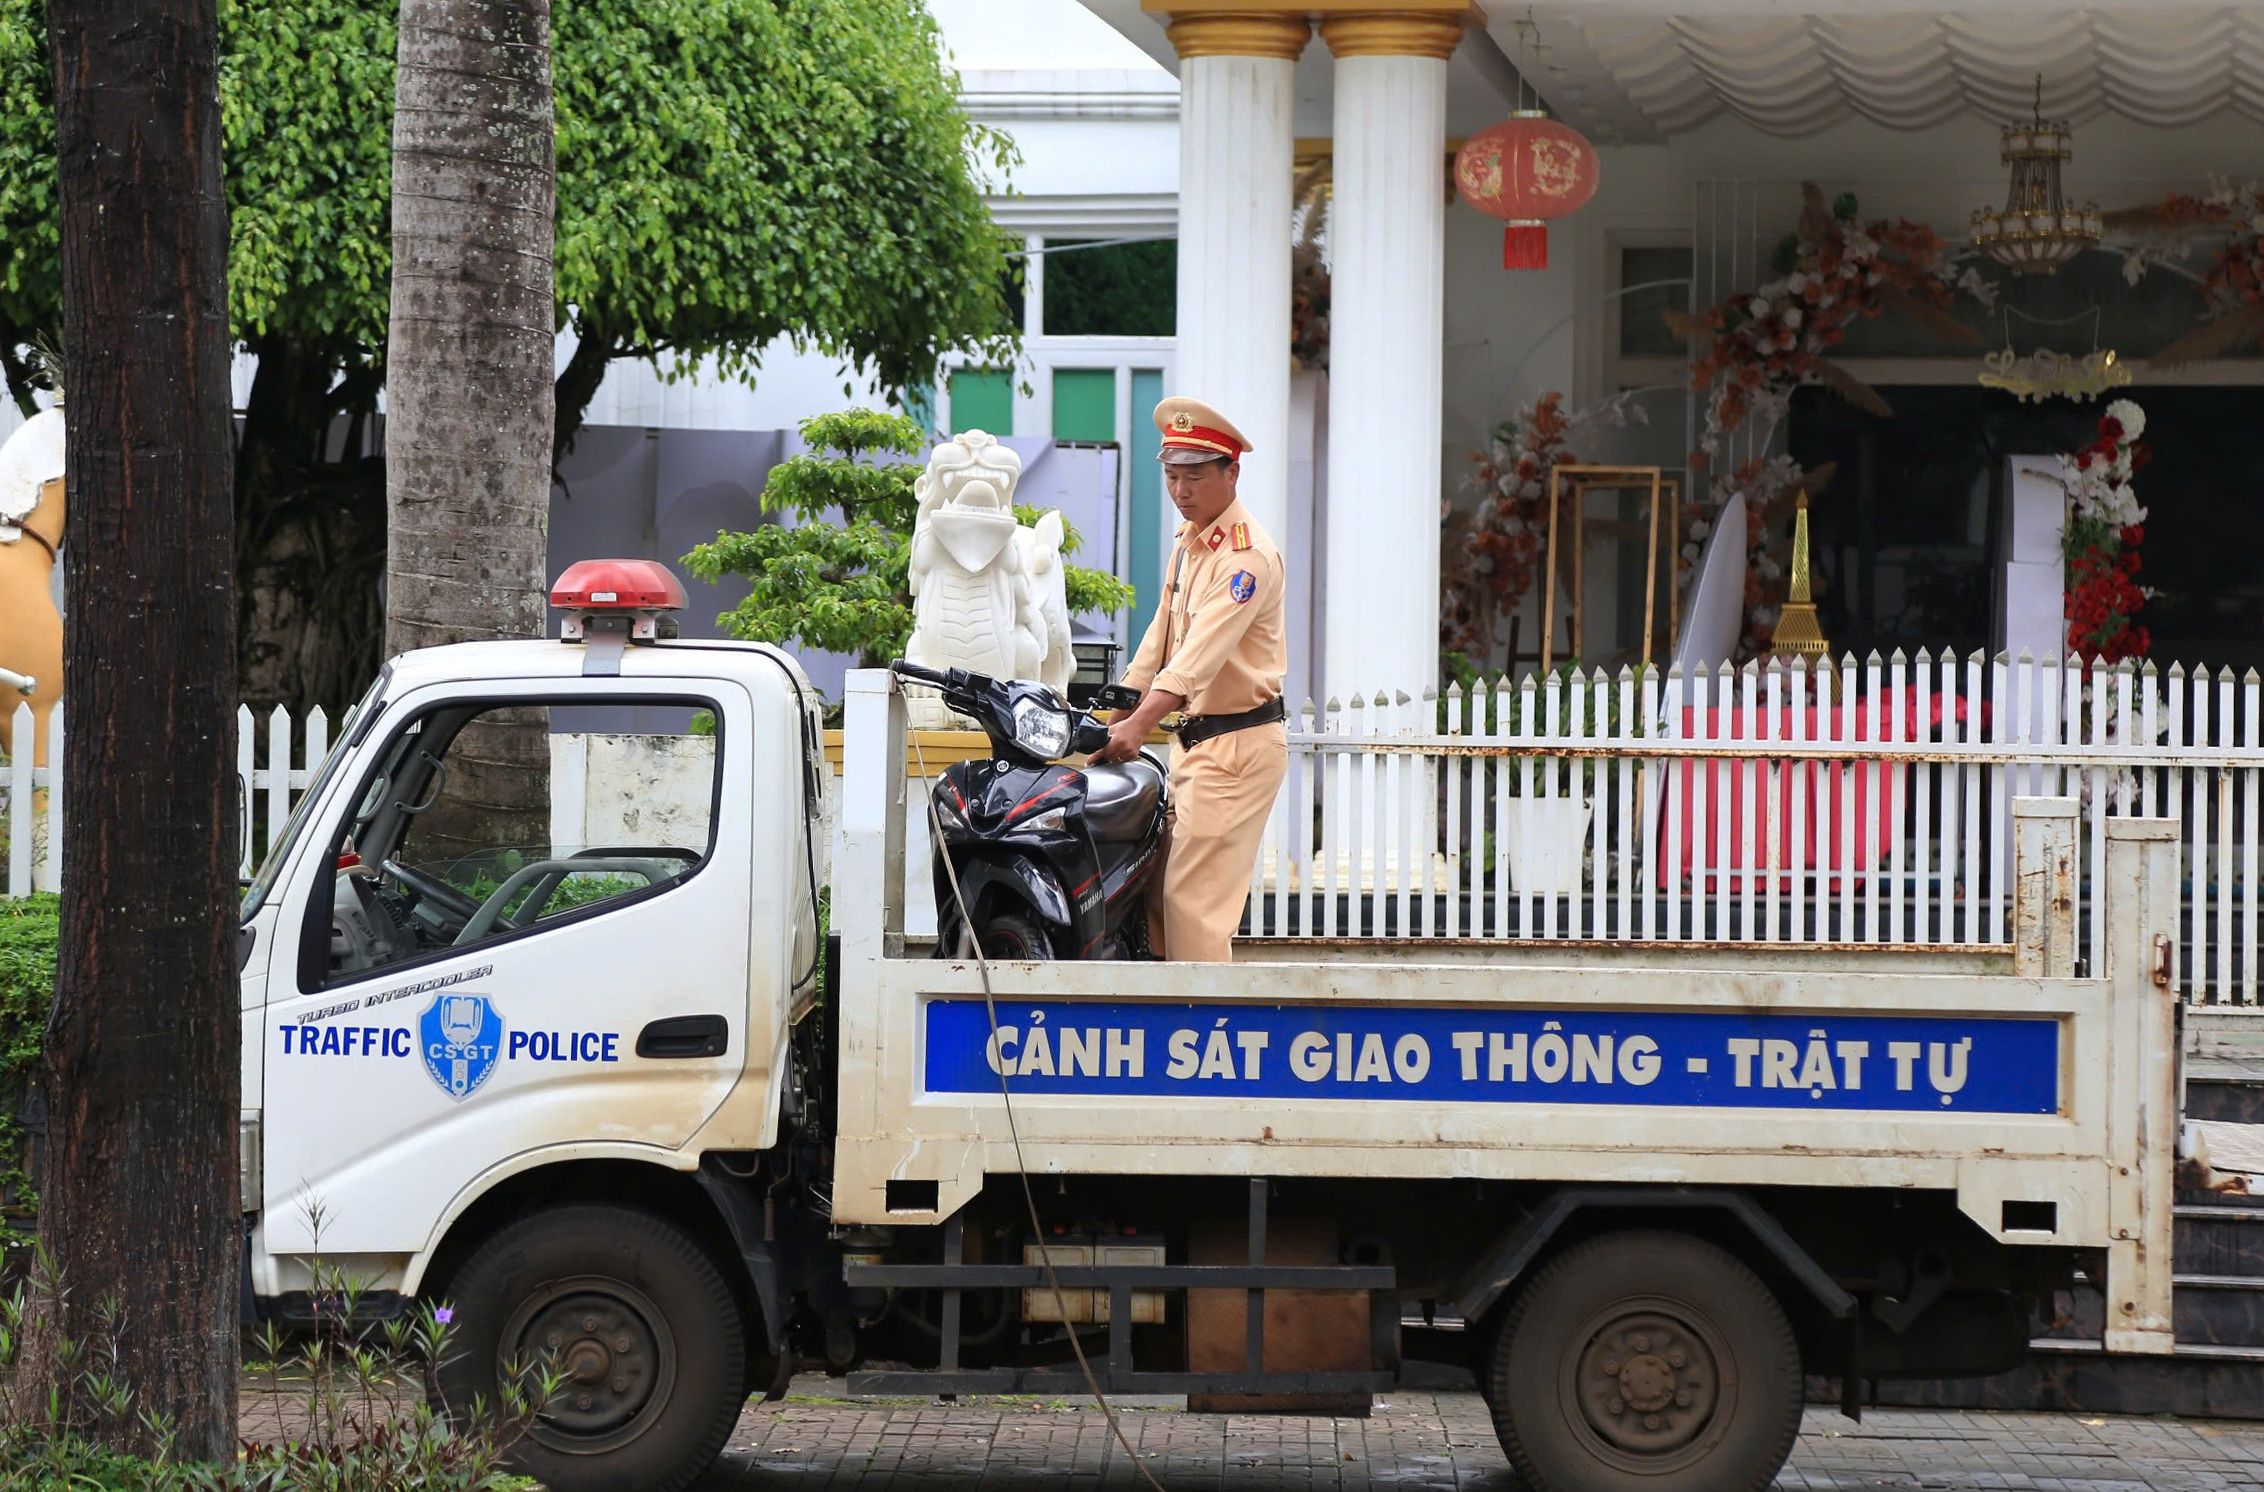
{"x": 1237, "y": 93}
{"x": 1387, "y": 246}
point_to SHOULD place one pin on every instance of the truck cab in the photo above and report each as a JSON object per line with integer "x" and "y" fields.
{"x": 535, "y": 938}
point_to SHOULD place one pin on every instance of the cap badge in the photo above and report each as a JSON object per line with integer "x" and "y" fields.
{"x": 1182, "y": 422}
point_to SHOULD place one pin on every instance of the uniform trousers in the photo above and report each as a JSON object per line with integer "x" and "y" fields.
{"x": 1222, "y": 791}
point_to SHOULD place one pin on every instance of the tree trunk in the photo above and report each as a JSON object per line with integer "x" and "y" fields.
{"x": 470, "y": 360}
{"x": 310, "y": 528}
{"x": 141, "y": 1068}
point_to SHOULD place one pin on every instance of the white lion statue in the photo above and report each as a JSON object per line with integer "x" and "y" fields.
{"x": 988, "y": 594}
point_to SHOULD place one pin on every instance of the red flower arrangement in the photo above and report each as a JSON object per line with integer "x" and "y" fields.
{"x": 2105, "y": 526}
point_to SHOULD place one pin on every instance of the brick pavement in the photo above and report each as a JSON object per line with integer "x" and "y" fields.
{"x": 820, "y": 1441}
{"x": 817, "y": 1439}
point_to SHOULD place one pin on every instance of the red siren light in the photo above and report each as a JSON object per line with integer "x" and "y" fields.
{"x": 618, "y": 599}
{"x": 617, "y": 585}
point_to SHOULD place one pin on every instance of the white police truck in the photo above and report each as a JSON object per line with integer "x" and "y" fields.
{"x": 538, "y": 1022}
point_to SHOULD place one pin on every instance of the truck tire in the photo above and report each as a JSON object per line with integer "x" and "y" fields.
{"x": 639, "y": 1318}
{"x": 1645, "y": 1360}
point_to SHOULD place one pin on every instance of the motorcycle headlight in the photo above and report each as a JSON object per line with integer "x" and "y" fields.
{"x": 1051, "y": 819}
{"x": 1041, "y": 729}
{"x": 947, "y": 814}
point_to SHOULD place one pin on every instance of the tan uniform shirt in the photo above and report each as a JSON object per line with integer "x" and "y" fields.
{"x": 1219, "y": 638}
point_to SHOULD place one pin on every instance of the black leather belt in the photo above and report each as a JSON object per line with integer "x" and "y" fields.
{"x": 1196, "y": 729}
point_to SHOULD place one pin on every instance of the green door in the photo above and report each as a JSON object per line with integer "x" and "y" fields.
{"x": 982, "y": 399}
{"x": 1144, "y": 559}
{"x": 1084, "y": 404}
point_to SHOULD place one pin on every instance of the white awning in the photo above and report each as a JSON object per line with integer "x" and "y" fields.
{"x": 1641, "y": 70}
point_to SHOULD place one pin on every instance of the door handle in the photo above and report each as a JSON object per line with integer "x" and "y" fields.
{"x": 685, "y": 1036}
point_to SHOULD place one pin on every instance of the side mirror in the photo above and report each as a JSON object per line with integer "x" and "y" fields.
{"x": 1115, "y": 697}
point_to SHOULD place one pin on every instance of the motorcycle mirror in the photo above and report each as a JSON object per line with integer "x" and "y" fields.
{"x": 1116, "y": 697}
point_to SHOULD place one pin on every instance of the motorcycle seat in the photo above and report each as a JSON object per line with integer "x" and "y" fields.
{"x": 1121, "y": 798}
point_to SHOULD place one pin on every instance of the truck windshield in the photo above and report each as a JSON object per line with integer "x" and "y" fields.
{"x": 279, "y": 844}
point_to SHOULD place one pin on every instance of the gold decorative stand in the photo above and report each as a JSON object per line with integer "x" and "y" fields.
{"x": 1663, "y": 496}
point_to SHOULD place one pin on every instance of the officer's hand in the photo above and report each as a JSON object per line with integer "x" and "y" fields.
{"x": 1125, "y": 734}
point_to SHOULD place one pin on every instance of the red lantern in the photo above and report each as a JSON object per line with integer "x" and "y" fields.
{"x": 1527, "y": 169}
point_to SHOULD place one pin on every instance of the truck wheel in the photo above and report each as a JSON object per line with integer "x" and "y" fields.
{"x": 636, "y": 1316}
{"x": 1645, "y": 1360}
{"x": 1010, "y": 936}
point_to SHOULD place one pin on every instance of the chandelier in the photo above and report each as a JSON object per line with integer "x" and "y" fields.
{"x": 2036, "y": 231}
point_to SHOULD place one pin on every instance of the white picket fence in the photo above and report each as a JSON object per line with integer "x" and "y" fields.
{"x": 35, "y": 838}
{"x": 1764, "y": 805}
{"x": 35, "y": 835}
{"x": 1768, "y": 805}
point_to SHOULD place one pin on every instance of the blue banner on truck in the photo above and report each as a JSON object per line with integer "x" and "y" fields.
{"x": 1700, "y": 1059}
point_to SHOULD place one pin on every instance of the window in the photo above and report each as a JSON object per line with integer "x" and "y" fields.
{"x": 485, "y": 821}
{"x": 1120, "y": 290}
{"x": 1655, "y": 281}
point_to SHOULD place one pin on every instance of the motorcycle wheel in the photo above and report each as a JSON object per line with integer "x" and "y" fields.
{"x": 1012, "y": 936}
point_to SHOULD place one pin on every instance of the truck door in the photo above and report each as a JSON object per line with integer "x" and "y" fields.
{"x": 527, "y": 931}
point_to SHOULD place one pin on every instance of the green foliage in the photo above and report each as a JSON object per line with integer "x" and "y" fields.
{"x": 306, "y": 91}
{"x": 348, "y": 1376}
{"x": 28, "y": 932}
{"x": 734, "y": 170}
{"x": 729, "y": 171}
{"x": 306, "y": 100}
{"x": 838, "y": 578}
{"x": 31, "y": 267}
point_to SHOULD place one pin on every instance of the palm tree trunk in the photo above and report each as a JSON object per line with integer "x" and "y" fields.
{"x": 141, "y": 1070}
{"x": 470, "y": 363}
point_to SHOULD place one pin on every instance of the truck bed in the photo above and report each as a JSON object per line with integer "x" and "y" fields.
{"x": 2047, "y": 1104}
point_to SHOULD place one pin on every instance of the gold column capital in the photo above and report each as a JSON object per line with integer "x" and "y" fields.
{"x": 1393, "y": 33}
{"x": 1238, "y": 33}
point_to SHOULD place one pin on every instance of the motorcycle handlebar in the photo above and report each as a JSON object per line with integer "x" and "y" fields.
{"x": 1087, "y": 736}
{"x": 913, "y": 671}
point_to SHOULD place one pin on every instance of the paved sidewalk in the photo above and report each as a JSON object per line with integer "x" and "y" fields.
{"x": 817, "y": 1439}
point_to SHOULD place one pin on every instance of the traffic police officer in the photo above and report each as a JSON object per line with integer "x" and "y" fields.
{"x": 1215, "y": 650}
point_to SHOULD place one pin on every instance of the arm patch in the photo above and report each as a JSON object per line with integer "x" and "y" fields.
{"x": 1243, "y": 586}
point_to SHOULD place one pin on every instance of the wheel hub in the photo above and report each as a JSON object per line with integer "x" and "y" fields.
{"x": 612, "y": 1350}
{"x": 1647, "y": 1383}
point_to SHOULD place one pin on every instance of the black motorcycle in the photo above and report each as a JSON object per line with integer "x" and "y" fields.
{"x": 1050, "y": 861}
